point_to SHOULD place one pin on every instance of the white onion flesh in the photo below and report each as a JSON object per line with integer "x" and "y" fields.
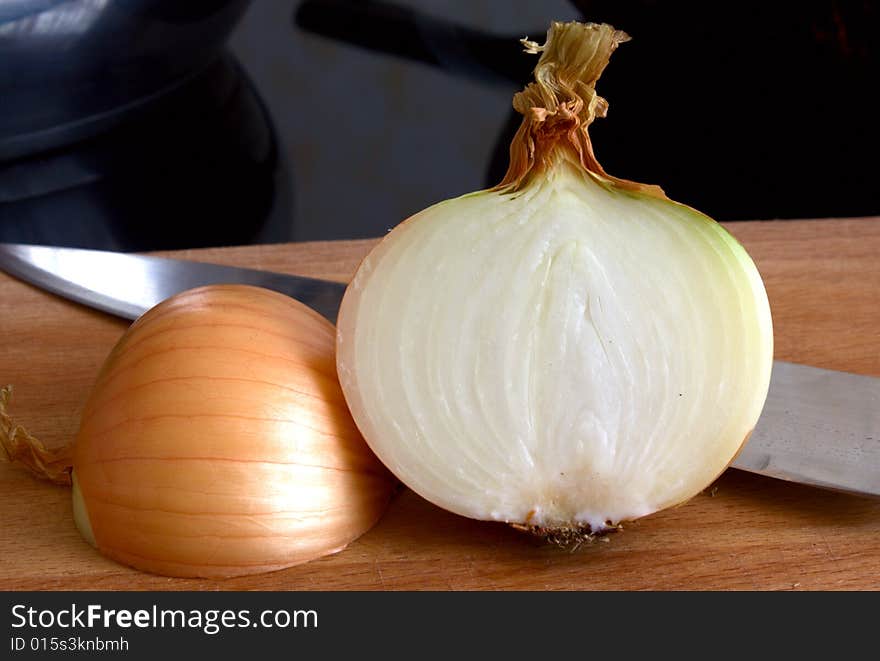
{"x": 569, "y": 355}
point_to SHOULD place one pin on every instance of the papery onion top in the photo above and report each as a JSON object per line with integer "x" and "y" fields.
{"x": 560, "y": 105}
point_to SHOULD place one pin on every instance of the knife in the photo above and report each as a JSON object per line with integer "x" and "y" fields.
{"x": 818, "y": 427}
{"x": 128, "y": 285}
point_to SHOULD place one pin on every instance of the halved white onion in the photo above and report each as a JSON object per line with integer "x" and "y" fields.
{"x": 567, "y": 351}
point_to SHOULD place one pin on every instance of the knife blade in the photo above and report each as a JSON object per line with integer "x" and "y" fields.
{"x": 128, "y": 285}
{"x": 819, "y": 427}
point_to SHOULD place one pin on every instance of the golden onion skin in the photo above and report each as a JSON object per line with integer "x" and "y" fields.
{"x": 216, "y": 441}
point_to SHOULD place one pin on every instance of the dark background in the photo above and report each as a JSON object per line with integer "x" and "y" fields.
{"x": 745, "y": 110}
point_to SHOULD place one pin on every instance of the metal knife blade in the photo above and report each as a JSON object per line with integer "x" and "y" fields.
{"x": 818, "y": 427}
{"x": 128, "y": 285}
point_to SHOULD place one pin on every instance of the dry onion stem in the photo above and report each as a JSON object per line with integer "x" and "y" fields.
{"x": 216, "y": 441}
{"x": 20, "y": 447}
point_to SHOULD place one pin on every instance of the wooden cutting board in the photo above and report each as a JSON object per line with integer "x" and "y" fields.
{"x": 746, "y": 532}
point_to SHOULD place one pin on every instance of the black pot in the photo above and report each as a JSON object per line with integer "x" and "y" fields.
{"x": 70, "y": 69}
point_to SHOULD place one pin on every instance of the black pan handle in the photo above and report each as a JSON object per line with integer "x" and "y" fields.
{"x": 388, "y": 28}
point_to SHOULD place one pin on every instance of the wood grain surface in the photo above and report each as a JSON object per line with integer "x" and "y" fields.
{"x": 746, "y": 532}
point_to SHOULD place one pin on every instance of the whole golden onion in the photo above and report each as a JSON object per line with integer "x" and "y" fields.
{"x": 216, "y": 441}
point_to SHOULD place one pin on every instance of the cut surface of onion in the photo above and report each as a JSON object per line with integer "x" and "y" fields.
{"x": 566, "y": 351}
